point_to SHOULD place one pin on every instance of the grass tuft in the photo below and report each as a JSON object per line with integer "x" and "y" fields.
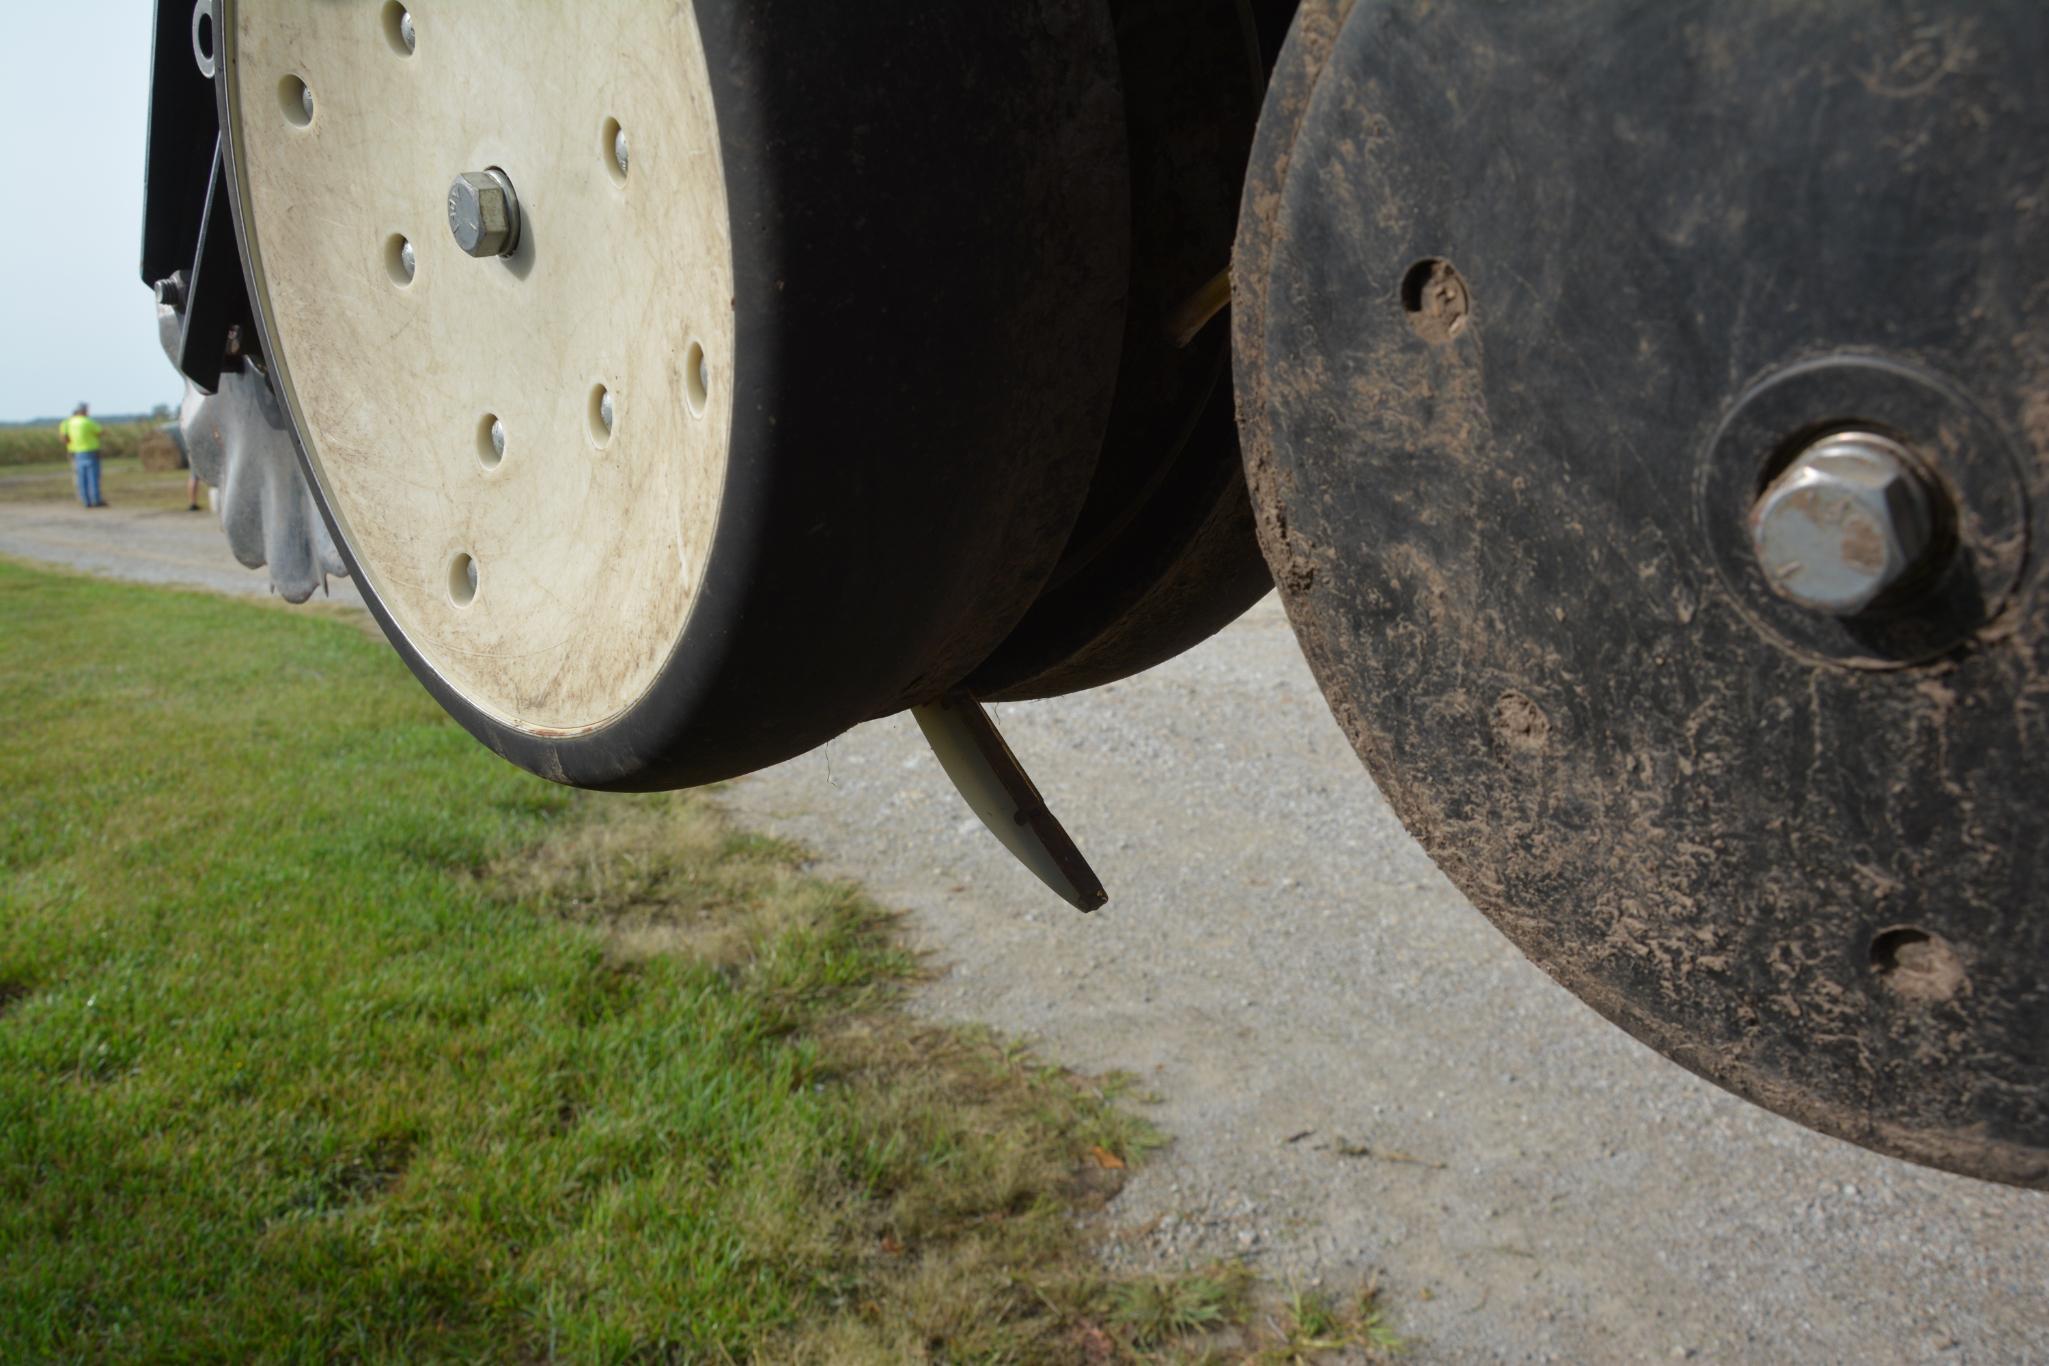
{"x": 1157, "y": 1309}
{"x": 1313, "y": 1324}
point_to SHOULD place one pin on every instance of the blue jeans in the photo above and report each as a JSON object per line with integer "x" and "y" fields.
{"x": 85, "y": 472}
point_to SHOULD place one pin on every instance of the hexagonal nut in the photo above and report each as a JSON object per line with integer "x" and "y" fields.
{"x": 483, "y": 213}
{"x": 1845, "y": 522}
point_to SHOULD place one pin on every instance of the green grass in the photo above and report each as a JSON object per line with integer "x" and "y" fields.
{"x": 28, "y": 445}
{"x": 123, "y": 483}
{"x": 1159, "y": 1309}
{"x": 1313, "y": 1323}
{"x": 324, "y": 1033}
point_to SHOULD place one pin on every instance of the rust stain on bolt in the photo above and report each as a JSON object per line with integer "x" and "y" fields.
{"x": 1846, "y": 521}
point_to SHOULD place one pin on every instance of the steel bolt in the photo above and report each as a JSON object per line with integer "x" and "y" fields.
{"x": 498, "y": 437}
{"x": 306, "y": 101}
{"x": 1847, "y": 520}
{"x": 619, "y": 150}
{"x": 605, "y": 409}
{"x": 483, "y": 213}
{"x": 408, "y": 259}
{"x": 406, "y": 34}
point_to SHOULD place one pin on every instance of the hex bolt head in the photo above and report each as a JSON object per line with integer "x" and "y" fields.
{"x": 1846, "y": 521}
{"x": 483, "y": 213}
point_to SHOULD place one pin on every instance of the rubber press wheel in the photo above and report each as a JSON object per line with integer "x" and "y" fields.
{"x": 1540, "y": 317}
{"x": 781, "y": 409}
{"x": 1163, "y": 554}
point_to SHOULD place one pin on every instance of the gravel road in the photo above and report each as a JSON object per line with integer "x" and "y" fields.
{"x": 150, "y": 544}
{"x": 1357, "y": 1073}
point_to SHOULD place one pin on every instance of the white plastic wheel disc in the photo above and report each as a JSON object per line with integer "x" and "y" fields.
{"x": 547, "y": 582}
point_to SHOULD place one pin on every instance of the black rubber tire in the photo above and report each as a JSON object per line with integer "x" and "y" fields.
{"x": 1163, "y": 554}
{"x": 1186, "y": 566}
{"x": 930, "y": 237}
{"x": 1546, "y": 303}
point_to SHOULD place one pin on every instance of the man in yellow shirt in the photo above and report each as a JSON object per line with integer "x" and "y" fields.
{"x": 81, "y": 436}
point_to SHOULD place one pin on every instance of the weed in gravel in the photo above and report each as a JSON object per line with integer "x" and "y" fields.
{"x": 1155, "y": 1309}
{"x": 1313, "y": 1324}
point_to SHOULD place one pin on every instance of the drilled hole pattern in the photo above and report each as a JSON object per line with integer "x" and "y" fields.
{"x": 471, "y": 454}
{"x": 612, "y": 146}
{"x": 401, "y": 262}
{"x": 295, "y": 101}
{"x": 490, "y": 441}
{"x": 462, "y": 579}
{"x": 398, "y": 29}
{"x": 696, "y": 380}
{"x": 1916, "y": 965}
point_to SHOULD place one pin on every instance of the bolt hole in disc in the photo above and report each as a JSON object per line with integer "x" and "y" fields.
{"x": 1435, "y": 299}
{"x": 400, "y": 260}
{"x": 696, "y": 380}
{"x": 295, "y": 101}
{"x": 398, "y": 29}
{"x": 462, "y": 579}
{"x": 490, "y": 441}
{"x": 1916, "y": 964}
{"x": 612, "y": 148}
{"x": 599, "y": 415}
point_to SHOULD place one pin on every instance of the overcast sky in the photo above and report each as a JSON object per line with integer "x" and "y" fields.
{"x": 74, "y": 115}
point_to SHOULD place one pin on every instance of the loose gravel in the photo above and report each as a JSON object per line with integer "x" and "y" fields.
{"x": 144, "y": 544}
{"x": 1360, "y": 1076}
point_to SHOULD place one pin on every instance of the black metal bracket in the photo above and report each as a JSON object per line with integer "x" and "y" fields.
{"x": 187, "y": 223}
